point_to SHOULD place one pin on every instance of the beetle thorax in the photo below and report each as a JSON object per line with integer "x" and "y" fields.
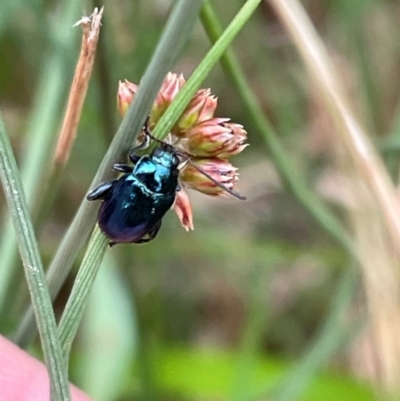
{"x": 159, "y": 172}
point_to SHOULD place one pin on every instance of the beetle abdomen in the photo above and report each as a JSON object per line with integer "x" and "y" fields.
{"x": 130, "y": 211}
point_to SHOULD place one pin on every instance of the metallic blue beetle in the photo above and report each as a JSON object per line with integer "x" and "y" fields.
{"x": 133, "y": 205}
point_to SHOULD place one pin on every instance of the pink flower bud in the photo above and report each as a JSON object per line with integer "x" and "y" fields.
{"x": 216, "y": 137}
{"x": 126, "y": 93}
{"x": 183, "y": 209}
{"x": 171, "y": 86}
{"x": 220, "y": 170}
{"x": 169, "y": 89}
{"x": 201, "y": 108}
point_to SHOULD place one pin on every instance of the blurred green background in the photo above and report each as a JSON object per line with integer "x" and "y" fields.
{"x": 255, "y": 303}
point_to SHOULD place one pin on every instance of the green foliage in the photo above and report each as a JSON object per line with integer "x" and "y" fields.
{"x": 208, "y": 374}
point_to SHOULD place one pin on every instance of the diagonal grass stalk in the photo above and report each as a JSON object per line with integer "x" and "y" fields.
{"x": 26, "y": 329}
{"x": 74, "y": 311}
{"x": 34, "y": 272}
{"x": 203, "y": 69}
{"x": 77, "y": 300}
{"x": 176, "y": 32}
{"x": 332, "y": 333}
{"x": 377, "y": 235}
{"x": 351, "y": 134}
{"x": 288, "y": 172}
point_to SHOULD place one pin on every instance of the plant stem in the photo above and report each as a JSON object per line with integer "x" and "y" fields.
{"x": 34, "y": 272}
{"x": 288, "y": 172}
{"x": 77, "y": 300}
{"x": 176, "y": 108}
{"x": 176, "y": 32}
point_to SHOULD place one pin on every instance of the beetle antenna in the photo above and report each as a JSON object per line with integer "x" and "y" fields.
{"x": 222, "y": 186}
{"x": 147, "y": 132}
{"x": 188, "y": 160}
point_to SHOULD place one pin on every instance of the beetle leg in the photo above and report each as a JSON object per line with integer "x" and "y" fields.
{"x": 141, "y": 241}
{"x": 123, "y": 168}
{"x": 101, "y": 191}
{"x": 133, "y": 157}
{"x": 151, "y": 234}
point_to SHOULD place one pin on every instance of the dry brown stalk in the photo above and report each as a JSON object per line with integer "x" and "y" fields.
{"x": 91, "y": 30}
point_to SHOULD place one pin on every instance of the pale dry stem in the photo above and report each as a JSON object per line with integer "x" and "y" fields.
{"x": 360, "y": 149}
{"x": 376, "y": 352}
{"x": 91, "y": 30}
{"x": 375, "y": 216}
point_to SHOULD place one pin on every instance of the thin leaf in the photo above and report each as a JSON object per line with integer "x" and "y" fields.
{"x": 77, "y": 300}
{"x": 288, "y": 171}
{"x": 34, "y": 272}
{"x": 108, "y": 340}
{"x": 175, "y": 34}
{"x": 176, "y": 108}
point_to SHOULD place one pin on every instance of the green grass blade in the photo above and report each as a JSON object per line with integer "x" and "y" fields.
{"x": 108, "y": 339}
{"x": 175, "y": 34}
{"x": 203, "y": 69}
{"x": 34, "y": 272}
{"x": 288, "y": 172}
{"x": 77, "y": 300}
{"x": 196, "y": 79}
{"x": 332, "y": 333}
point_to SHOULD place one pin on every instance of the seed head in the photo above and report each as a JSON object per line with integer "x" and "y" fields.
{"x": 216, "y": 137}
{"x": 220, "y": 170}
{"x": 169, "y": 89}
{"x": 126, "y": 93}
{"x": 210, "y": 140}
{"x": 201, "y": 108}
